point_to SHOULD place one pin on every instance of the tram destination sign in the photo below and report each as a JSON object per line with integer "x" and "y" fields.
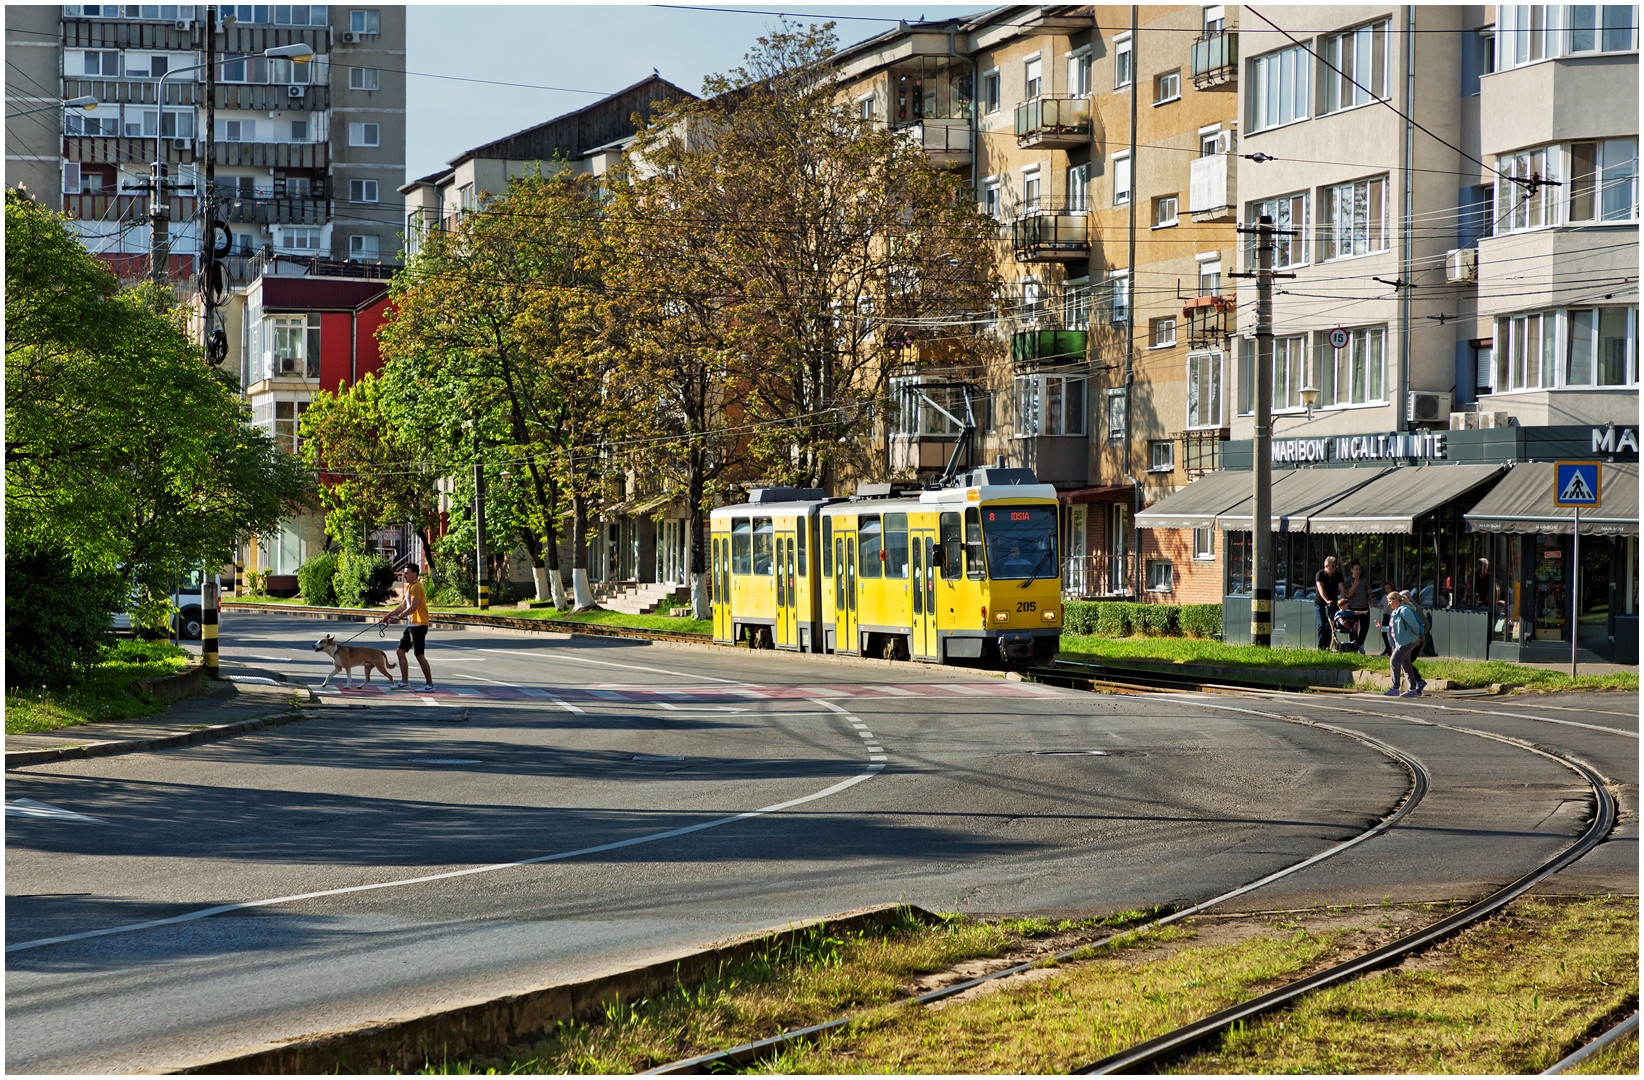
{"x": 1394, "y": 446}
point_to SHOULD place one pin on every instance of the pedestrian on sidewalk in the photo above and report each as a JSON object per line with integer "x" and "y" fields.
{"x": 1356, "y": 591}
{"x": 1326, "y": 591}
{"x": 1408, "y": 633}
{"x": 414, "y": 606}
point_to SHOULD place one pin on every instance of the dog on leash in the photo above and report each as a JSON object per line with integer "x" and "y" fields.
{"x": 345, "y": 657}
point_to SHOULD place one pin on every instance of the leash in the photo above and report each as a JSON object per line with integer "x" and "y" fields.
{"x": 381, "y": 632}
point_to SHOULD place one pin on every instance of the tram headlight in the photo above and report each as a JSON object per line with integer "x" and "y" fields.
{"x": 1050, "y": 616}
{"x": 1001, "y": 616}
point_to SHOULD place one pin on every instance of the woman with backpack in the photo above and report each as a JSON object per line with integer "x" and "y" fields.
{"x": 1408, "y": 630}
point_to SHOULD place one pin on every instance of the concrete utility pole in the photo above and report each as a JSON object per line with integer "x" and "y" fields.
{"x": 1261, "y": 510}
{"x": 207, "y": 261}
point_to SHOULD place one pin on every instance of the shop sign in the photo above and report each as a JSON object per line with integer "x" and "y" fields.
{"x": 1615, "y": 440}
{"x": 1425, "y": 445}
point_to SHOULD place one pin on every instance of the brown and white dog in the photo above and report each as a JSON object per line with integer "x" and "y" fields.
{"x": 345, "y": 657}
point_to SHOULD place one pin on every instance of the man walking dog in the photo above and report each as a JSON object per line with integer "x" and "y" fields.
{"x": 415, "y": 608}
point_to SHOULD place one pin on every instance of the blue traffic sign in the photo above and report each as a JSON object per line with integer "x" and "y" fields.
{"x": 1576, "y": 483}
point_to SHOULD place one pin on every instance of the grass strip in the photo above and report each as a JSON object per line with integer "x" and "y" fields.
{"x": 1512, "y": 995}
{"x": 105, "y": 693}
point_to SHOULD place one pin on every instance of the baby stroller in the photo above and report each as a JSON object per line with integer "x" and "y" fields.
{"x": 1344, "y": 629}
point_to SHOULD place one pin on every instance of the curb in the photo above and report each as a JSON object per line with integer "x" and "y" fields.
{"x": 17, "y": 758}
{"x": 406, "y": 1043}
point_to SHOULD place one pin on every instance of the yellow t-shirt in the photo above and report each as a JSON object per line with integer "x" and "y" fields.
{"x": 418, "y": 615}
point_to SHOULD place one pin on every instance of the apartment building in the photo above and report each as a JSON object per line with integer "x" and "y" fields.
{"x": 1457, "y": 190}
{"x": 305, "y": 154}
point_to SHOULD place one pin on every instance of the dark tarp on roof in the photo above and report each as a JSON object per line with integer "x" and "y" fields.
{"x": 1523, "y": 503}
{"x": 1299, "y": 493}
{"x": 1392, "y": 502}
{"x": 1196, "y": 505}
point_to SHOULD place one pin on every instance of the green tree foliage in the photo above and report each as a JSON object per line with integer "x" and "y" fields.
{"x": 124, "y": 450}
{"x": 57, "y": 617}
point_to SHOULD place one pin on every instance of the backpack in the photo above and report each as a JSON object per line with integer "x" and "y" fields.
{"x": 1423, "y": 622}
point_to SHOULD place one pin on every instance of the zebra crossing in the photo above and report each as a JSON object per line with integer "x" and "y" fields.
{"x": 611, "y": 694}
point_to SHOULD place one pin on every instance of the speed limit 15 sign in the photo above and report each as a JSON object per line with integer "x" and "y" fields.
{"x": 1338, "y": 338}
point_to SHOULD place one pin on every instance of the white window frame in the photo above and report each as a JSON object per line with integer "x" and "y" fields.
{"x": 1049, "y": 406}
{"x": 1119, "y": 297}
{"x": 1078, "y": 188}
{"x": 865, "y": 107}
{"x": 1079, "y": 65}
{"x": 1122, "y": 181}
{"x": 368, "y": 191}
{"x": 1204, "y": 544}
{"x": 1281, "y": 88}
{"x": 359, "y": 250}
{"x": 1161, "y": 332}
{"x": 1348, "y": 84}
{"x": 1124, "y": 62}
{"x": 358, "y": 131}
{"x": 1158, "y": 569}
{"x": 1076, "y": 301}
{"x": 1164, "y": 462}
{"x": 1206, "y": 390}
{"x": 366, "y": 21}
{"x": 363, "y": 78}
{"x": 1289, "y": 372}
{"x": 1167, "y": 87}
{"x": 1543, "y": 344}
{"x": 1165, "y": 211}
{"x": 991, "y": 92}
{"x": 1033, "y": 190}
{"x": 1612, "y": 186}
{"x": 1033, "y": 76}
{"x": 1289, "y": 212}
{"x": 991, "y": 203}
{"x": 1362, "y": 230}
{"x": 1530, "y": 34}
{"x": 1210, "y": 267}
{"x": 290, "y": 234}
{"x": 1360, "y": 367}
{"x": 1117, "y": 423}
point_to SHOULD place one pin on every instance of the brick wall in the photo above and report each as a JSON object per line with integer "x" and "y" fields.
{"x": 1195, "y": 581}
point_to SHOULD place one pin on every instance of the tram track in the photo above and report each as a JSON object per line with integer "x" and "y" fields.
{"x": 1183, "y": 1040}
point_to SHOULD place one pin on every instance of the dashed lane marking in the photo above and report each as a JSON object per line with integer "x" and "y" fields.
{"x": 29, "y": 808}
{"x": 697, "y": 696}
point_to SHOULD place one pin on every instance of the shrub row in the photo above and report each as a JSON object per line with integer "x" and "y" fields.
{"x": 1112, "y": 618}
{"x": 347, "y": 579}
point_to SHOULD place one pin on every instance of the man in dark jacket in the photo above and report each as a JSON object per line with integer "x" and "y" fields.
{"x": 1326, "y": 591}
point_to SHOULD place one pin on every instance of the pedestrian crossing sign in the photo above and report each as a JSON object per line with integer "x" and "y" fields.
{"x": 1576, "y": 483}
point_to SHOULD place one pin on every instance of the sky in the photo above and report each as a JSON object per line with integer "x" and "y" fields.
{"x": 585, "y": 51}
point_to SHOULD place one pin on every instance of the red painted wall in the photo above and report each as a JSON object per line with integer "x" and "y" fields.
{"x": 370, "y": 351}
{"x": 336, "y": 349}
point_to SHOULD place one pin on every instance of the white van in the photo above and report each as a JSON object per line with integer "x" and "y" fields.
{"x": 189, "y": 620}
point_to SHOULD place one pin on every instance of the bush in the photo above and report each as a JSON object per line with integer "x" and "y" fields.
{"x": 451, "y": 582}
{"x": 1156, "y": 620}
{"x": 1202, "y": 620}
{"x": 1112, "y": 619}
{"x": 57, "y": 619}
{"x": 1079, "y": 617}
{"x": 316, "y": 580}
{"x": 363, "y": 580}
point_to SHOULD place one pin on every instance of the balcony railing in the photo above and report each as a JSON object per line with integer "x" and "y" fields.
{"x": 1215, "y": 59}
{"x": 1090, "y": 576}
{"x": 1212, "y": 191}
{"x": 266, "y": 208}
{"x": 1048, "y": 346}
{"x": 946, "y": 141}
{"x": 105, "y": 206}
{"x": 1053, "y": 123}
{"x": 1051, "y": 236}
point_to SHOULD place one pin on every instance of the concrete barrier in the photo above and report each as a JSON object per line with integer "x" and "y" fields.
{"x": 186, "y": 683}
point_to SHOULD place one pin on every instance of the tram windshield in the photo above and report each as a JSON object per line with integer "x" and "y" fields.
{"x": 1020, "y": 541}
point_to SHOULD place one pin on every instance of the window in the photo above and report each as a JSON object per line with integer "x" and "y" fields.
{"x": 1050, "y": 405}
{"x": 77, "y": 123}
{"x": 1030, "y": 188}
{"x": 303, "y": 241}
{"x": 1121, "y": 179}
{"x": 1078, "y": 73}
{"x": 896, "y": 546}
{"x": 990, "y": 198}
{"x": 1574, "y": 347}
{"x": 1359, "y": 60}
{"x": 1076, "y": 305}
{"x": 296, "y": 346}
{"x": 365, "y": 22}
{"x": 285, "y": 422}
{"x": 1526, "y": 34}
{"x": 364, "y": 135}
{"x": 1215, "y": 18}
{"x": 1078, "y": 188}
{"x": 975, "y": 565}
{"x": 104, "y": 64}
{"x": 1289, "y": 372}
{"x": 1164, "y": 211}
{"x": 870, "y": 534}
{"x": 1289, "y": 214}
{"x": 282, "y": 70}
{"x": 1123, "y": 60}
{"x": 1210, "y": 276}
{"x": 362, "y": 78}
{"x": 239, "y": 131}
{"x": 1603, "y": 182}
{"x": 362, "y": 247}
{"x": 742, "y": 546}
{"x": 1159, "y": 575}
{"x": 1119, "y": 314}
{"x": 362, "y": 191}
{"x": 1204, "y": 390}
{"x": 1279, "y": 91}
{"x": 1032, "y": 80}
{"x": 864, "y": 107}
{"x": 1204, "y": 543}
{"x": 990, "y": 91}
{"x": 913, "y": 416}
{"x": 764, "y": 546}
{"x": 1162, "y": 332}
{"x": 299, "y": 131}
{"x": 1527, "y": 206}
{"x": 1115, "y": 414}
{"x": 1210, "y": 142}
{"x": 1358, "y": 372}
{"x": 1161, "y": 456}
{"x": 1353, "y": 218}
{"x": 1483, "y": 366}
{"x": 1167, "y": 87}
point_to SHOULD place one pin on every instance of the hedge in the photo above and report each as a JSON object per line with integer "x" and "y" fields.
{"x": 1113, "y": 618}
{"x": 316, "y": 580}
{"x": 363, "y": 580}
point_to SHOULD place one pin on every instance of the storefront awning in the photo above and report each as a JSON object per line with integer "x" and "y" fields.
{"x": 1196, "y": 505}
{"x": 1299, "y": 493}
{"x": 1392, "y": 502}
{"x": 1098, "y": 494}
{"x": 1523, "y": 503}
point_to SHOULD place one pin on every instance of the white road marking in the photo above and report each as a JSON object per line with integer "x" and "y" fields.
{"x": 877, "y": 757}
{"x": 444, "y": 761}
{"x": 961, "y": 688}
{"x": 31, "y": 808}
{"x": 601, "y": 663}
{"x": 866, "y": 734}
{"x": 896, "y": 691}
{"x": 701, "y": 708}
{"x": 480, "y": 678}
{"x": 566, "y": 705}
{"x": 872, "y": 749}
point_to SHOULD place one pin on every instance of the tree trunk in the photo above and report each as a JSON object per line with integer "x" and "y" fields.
{"x": 583, "y": 596}
{"x": 693, "y": 546}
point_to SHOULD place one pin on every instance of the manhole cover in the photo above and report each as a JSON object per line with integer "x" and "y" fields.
{"x": 444, "y": 761}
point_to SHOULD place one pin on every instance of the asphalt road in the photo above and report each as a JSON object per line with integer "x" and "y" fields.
{"x": 565, "y": 807}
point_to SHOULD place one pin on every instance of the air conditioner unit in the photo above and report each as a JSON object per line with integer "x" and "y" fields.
{"x": 180, "y": 144}
{"x": 350, "y": 37}
{"x": 294, "y": 91}
{"x": 1224, "y": 142}
{"x": 1463, "y": 421}
{"x": 288, "y": 365}
{"x": 184, "y": 24}
{"x": 1428, "y": 406}
{"x": 1461, "y": 264}
{"x": 1495, "y": 420}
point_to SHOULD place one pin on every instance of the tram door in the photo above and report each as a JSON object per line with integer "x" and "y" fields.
{"x": 923, "y": 553}
{"x": 844, "y": 584}
{"x": 721, "y": 567}
{"x": 787, "y": 633}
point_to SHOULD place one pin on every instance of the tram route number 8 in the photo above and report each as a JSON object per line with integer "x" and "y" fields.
{"x": 1016, "y": 515}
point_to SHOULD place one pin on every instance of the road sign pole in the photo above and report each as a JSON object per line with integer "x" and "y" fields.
{"x": 1575, "y": 590}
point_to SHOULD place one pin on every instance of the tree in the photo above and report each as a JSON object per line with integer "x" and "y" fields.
{"x": 825, "y": 236}
{"x": 124, "y": 449}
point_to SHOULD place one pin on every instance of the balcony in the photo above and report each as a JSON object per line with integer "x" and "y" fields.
{"x": 1214, "y": 60}
{"x": 105, "y": 206}
{"x": 946, "y": 142}
{"x": 122, "y": 150}
{"x": 1042, "y": 347}
{"x": 1212, "y": 192}
{"x": 266, "y": 208}
{"x": 273, "y": 155}
{"x": 1041, "y": 236}
{"x": 1051, "y": 123}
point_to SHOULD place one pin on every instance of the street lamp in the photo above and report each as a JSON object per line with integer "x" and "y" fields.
{"x": 86, "y": 102}
{"x": 1310, "y": 398}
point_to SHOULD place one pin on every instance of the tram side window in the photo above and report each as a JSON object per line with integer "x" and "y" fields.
{"x": 827, "y": 547}
{"x": 764, "y": 546}
{"x": 742, "y": 547}
{"x": 896, "y": 546}
{"x": 870, "y": 543}
{"x": 975, "y": 567}
{"x": 804, "y": 532}
{"x": 951, "y": 548}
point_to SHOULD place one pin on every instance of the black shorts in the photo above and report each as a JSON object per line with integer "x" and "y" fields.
{"x": 412, "y": 639}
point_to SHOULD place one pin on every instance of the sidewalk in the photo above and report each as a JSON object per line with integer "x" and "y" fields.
{"x": 244, "y": 699}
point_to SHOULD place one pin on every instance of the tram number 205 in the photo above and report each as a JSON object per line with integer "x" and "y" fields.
{"x": 1027, "y": 605}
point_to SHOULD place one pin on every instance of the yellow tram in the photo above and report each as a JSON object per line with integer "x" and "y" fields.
{"x": 963, "y": 572}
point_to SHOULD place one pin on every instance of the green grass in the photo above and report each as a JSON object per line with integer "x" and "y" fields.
{"x": 1463, "y": 673}
{"x": 104, "y": 695}
{"x": 604, "y": 618}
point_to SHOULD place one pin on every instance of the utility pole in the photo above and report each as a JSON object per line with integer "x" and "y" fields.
{"x": 484, "y": 575}
{"x": 1261, "y": 510}
{"x": 208, "y": 273}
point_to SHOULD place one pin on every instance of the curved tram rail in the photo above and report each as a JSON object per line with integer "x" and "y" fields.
{"x": 1176, "y": 1043}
